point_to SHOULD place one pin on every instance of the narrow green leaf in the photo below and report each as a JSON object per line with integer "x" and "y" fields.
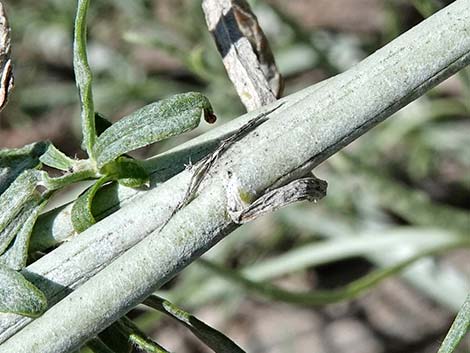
{"x": 11, "y": 203}
{"x": 65, "y": 180}
{"x": 83, "y": 77}
{"x": 128, "y": 172}
{"x": 14, "y": 161}
{"x": 322, "y": 297}
{"x": 18, "y": 296}
{"x": 146, "y": 344}
{"x": 214, "y": 339}
{"x": 152, "y": 123}
{"x": 137, "y": 337}
{"x": 460, "y": 327}
{"x": 82, "y": 217}
{"x": 9, "y": 232}
{"x": 56, "y": 159}
{"x": 16, "y": 256}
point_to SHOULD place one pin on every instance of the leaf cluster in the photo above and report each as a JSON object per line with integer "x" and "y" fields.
{"x": 26, "y": 185}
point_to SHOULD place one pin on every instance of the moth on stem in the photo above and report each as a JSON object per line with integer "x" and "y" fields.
{"x": 25, "y": 189}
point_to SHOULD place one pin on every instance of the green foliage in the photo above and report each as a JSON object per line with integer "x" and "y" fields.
{"x": 83, "y": 77}
{"x": 14, "y": 161}
{"x": 82, "y": 217}
{"x": 323, "y": 297}
{"x": 214, "y": 339}
{"x": 121, "y": 336}
{"x": 25, "y": 190}
{"x": 15, "y": 203}
{"x": 16, "y": 255}
{"x": 152, "y": 123}
{"x": 459, "y": 329}
{"x": 138, "y": 338}
{"x": 128, "y": 172}
{"x": 56, "y": 159}
{"x": 18, "y": 296}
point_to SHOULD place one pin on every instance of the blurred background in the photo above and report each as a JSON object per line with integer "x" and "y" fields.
{"x": 400, "y": 190}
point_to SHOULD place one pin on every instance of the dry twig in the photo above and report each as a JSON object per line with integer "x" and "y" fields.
{"x": 245, "y": 51}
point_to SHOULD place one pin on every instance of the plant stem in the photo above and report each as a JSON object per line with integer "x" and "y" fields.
{"x": 83, "y": 77}
{"x": 460, "y": 327}
{"x": 138, "y": 338}
{"x": 214, "y": 339}
{"x": 322, "y": 297}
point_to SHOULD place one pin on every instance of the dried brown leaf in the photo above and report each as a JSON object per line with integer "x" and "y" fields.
{"x": 245, "y": 51}
{"x": 6, "y": 70}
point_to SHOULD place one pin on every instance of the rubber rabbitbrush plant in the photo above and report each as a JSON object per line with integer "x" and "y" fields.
{"x": 25, "y": 189}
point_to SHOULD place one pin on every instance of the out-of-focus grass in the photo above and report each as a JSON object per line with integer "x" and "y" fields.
{"x": 406, "y": 176}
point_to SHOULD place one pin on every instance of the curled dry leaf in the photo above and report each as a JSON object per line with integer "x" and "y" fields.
{"x": 249, "y": 26}
{"x": 6, "y": 71}
{"x": 242, "y": 208}
{"x": 245, "y": 51}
